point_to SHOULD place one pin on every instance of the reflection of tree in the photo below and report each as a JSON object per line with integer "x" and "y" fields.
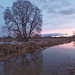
{"x": 29, "y": 64}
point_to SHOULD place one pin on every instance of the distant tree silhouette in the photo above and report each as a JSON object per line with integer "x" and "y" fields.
{"x": 7, "y": 37}
{"x": 23, "y": 19}
{"x": 36, "y": 35}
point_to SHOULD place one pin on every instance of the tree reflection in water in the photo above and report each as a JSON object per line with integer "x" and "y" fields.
{"x": 28, "y": 64}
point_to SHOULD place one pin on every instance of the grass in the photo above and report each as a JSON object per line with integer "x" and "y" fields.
{"x": 9, "y": 50}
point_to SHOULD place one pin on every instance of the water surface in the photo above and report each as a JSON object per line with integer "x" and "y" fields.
{"x": 57, "y": 60}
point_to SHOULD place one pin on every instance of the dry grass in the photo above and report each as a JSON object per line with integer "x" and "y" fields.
{"x": 9, "y": 50}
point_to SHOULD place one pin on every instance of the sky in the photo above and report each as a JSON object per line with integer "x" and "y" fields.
{"x": 58, "y": 15}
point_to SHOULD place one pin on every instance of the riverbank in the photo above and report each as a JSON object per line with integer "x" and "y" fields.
{"x": 9, "y": 50}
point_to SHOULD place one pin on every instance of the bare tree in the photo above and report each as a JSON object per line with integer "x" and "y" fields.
{"x": 23, "y": 19}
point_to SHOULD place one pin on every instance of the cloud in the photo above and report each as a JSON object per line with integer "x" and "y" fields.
{"x": 1, "y": 7}
{"x": 67, "y": 12}
{"x": 51, "y": 11}
{"x": 66, "y": 3}
{"x": 43, "y": 1}
{"x": 52, "y": 0}
{"x": 55, "y": 6}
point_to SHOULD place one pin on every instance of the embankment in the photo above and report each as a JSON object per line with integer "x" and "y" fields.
{"x": 9, "y": 50}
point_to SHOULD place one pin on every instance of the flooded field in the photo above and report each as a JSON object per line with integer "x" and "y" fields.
{"x": 56, "y": 60}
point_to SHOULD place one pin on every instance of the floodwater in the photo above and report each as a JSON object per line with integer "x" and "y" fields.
{"x": 57, "y": 60}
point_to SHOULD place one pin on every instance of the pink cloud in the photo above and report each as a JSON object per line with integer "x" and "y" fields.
{"x": 65, "y": 30}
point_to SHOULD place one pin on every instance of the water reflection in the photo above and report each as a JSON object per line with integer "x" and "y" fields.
{"x": 29, "y": 64}
{"x": 66, "y": 45}
{"x": 11, "y": 42}
{"x": 73, "y": 43}
{"x": 55, "y": 60}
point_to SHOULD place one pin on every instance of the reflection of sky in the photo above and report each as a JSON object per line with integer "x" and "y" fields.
{"x": 59, "y": 59}
{"x": 57, "y": 14}
{"x": 66, "y": 46}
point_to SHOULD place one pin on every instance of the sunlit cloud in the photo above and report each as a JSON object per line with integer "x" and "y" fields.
{"x": 69, "y": 31}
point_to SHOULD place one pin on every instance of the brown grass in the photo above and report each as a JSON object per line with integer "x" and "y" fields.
{"x": 9, "y": 50}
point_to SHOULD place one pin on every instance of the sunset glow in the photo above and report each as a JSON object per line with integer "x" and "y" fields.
{"x": 65, "y": 30}
{"x": 58, "y": 15}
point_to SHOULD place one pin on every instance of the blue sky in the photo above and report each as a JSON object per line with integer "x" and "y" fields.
{"x": 58, "y": 15}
